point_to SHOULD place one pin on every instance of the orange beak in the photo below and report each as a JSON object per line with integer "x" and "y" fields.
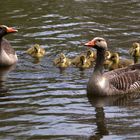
{"x": 11, "y": 30}
{"x": 90, "y": 43}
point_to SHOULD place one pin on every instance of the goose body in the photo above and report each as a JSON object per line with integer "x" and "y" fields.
{"x": 36, "y": 51}
{"x": 62, "y": 61}
{"x": 7, "y": 53}
{"x": 119, "y": 81}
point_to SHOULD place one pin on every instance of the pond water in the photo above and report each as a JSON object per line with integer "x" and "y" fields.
{"x": 37, "y": 100}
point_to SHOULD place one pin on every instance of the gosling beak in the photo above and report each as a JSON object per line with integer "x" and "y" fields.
{"x": 11, "y": 30}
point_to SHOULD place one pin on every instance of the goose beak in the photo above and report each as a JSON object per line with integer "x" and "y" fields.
{"x": 90, "y": 43}
{"x": 11, "y": 30}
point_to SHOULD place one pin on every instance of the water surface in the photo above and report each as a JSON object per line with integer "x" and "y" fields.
{"x": 37, "y": 100}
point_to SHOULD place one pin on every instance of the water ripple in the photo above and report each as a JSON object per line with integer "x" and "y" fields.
{"x": 39, "y": 101}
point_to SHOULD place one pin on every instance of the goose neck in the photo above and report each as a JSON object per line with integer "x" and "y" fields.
{"x": 99, "y": 66}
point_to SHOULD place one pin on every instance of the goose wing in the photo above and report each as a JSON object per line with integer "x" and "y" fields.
{"x": 125, "y": 79}
{"x": 128, "y": 81}
{"x": 7, "y": 47}
{"x": 120, "y": 71}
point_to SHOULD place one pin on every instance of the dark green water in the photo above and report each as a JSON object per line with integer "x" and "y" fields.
{"x": 38, "y": 101}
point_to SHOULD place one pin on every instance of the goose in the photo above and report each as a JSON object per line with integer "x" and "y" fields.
{"x": 90, "y": 55}
{"x": 83, "y": 62}
{"x": 107, "y": 55}
{"x": 62, "y": 61}
{"x": 115, "y": 82}
{"x": 36, "y": 51}
{"x": 115, "y": 62}
{"x": 7, "y": 53}
{"x": 107, "y": 59}
{"x": 76, "y": 59}
{"x": 135, "y": 51}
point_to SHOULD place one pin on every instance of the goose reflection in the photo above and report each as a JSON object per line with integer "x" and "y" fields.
{"x": 117, "y": 100}
{"x": 101, "y": 124}
{"x": 100, "y": 102}
{"x": 4, "y": 71}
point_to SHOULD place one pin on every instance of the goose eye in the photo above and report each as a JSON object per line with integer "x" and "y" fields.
{"x": 99, "y": 40}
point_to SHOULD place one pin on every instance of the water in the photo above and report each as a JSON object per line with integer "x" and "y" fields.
{"x": 37, "y": 100}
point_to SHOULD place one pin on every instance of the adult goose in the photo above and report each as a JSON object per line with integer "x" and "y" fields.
{"x": 119, "y": 81}
{"x": 7, "y": 54}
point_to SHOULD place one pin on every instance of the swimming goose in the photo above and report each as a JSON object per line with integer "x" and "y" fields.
{"x": 62, "y": 61}
{"x": 116, "y": 62}
{"x": 36, "y": 51}
{"x": 107, "y": 55}
{"x": 119, "y": 81}
{"x": 90, "y": 55}
{"x": 83, "y": 62}
{"x": 107, "y": 59}
{"x": 135, "y": 51}
{"x": 7, "y": 53}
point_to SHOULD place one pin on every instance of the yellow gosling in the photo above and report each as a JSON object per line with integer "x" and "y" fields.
{"x": 62, "y": 61}
{"x": 107, "y": 59}
{"x": 134, "y": 51}
{"x": 83, "y": 62}
{"x": 36, "y": 51}
{"x": 107, "y": 55}
{"x": 116, "y": 62}
{"x": 90, "y": 55}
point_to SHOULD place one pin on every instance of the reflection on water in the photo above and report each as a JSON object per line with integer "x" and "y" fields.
{"x": 118, "y": 100}
{"x": 101, "y": 129}
{"x": 4, "y": 71}
{"x": 39, "y": 101}
{"x": 100, "y": 102}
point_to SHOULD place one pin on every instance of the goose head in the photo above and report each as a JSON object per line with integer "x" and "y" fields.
{"x": 97, "y": 43}
{"x": 6, "y": 30}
